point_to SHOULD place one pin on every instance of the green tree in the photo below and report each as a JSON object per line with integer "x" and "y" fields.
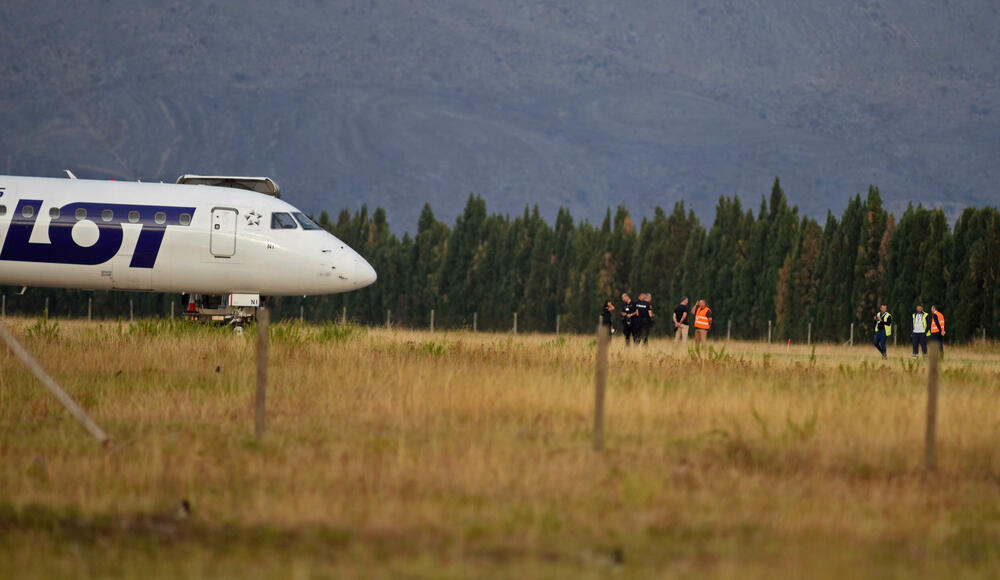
{"x": 539, "y": 303}
{"x": 458, "y": 289}
{"x": 975, "y": 261}
{"x": 870, "y": 265}
{"x": 778, "y": 224}
{"x": 428, "y": 256}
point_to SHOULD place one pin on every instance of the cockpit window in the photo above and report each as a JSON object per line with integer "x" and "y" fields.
{"x": 282, "y": 221}
{"x": 305, "y": 222}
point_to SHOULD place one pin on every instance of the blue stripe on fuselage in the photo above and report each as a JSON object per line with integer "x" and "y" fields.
{"x": 62, "y": 249}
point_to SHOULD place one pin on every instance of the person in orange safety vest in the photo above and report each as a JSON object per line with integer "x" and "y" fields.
{"x": 702, "y": 322}
{"x": 937, "y": 327}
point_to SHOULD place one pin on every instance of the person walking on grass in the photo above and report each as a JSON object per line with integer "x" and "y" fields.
{"x": 937, "y": 327}
{"x": 681, "y": 322}
{"x": 921, "y": 330}
{"x": 883, "y": 329}
{"x": 702, "y": 322}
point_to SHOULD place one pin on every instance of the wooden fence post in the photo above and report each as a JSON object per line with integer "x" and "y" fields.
{"x": 557, "y": 325}
{"x": 600, "y": 385}
{"x": 432, "y": 320}
{"x": 475, "y": 321}
{"x": 930, "y": 435}
{"x": 29, "y": 361}
{"x": 46, "y": 308}
{"x": 388, "y": 318}
{"x": 90, "y": 309}
{"x": 343, "y": 315}
{"x": 809, "y": 334}
{"x": 260, "y": 401}
{"x": 302, "y": 313}
{"x": 850, "y": 342}
{"x": 171, "y": 310}
{"x": 768, "y": 332}
{"x": 131, "y": 310}
{"x": 729, "y": 329}
{"x": 515, "y": 323}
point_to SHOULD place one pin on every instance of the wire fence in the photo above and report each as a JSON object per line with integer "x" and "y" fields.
{"x": 97, "y": 306}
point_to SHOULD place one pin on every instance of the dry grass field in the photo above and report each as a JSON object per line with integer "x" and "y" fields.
{"x": 399, "y": 453}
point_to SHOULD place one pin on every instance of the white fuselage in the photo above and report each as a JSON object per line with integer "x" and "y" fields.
{"x": 115, "y": 235}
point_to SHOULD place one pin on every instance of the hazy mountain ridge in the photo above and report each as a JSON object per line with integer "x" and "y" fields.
{"x": 580, "y": 104}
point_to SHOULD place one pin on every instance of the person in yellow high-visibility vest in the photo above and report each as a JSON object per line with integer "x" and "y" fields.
{"x": 702, "y": 322}
{"x": 921, "y": 330}
{"x": 883, "y": 329}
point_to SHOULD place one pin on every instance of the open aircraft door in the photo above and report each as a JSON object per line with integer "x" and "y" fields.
{"x": 223, "y": 244}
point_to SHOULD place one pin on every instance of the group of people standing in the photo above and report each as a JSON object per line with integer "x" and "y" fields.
{"x": 925, "y": 326}
{"x": 638, "y": 319}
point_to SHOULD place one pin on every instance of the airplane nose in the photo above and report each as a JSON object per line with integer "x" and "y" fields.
{"x": 364, "y": 274}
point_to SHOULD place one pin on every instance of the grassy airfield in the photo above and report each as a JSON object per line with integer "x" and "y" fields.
{"x": 394, "y": 453}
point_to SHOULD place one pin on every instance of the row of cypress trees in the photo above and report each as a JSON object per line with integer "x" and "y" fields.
{"x": 751, "y": 267}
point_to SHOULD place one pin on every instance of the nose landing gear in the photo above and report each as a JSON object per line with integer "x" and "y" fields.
{"x": 231, "y": 310}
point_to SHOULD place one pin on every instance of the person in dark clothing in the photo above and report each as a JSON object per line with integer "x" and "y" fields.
{"x": 644, "y": 318}
{"x": 628, "y": 318}
{"x": 606, "y": 317}
{"x": 681, "y": 322}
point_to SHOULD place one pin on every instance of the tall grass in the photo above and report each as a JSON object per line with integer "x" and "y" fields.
{"x": 460, "y": 453}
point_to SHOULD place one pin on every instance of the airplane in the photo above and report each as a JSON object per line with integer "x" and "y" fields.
{"x": 225, "y": 236}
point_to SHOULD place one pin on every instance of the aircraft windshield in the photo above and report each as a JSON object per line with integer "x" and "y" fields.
{"x": 282, "y": 221}
{"x": 305, "y": 222}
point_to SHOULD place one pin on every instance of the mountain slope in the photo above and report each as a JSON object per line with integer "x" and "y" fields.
{"x": 582, "y": 103}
